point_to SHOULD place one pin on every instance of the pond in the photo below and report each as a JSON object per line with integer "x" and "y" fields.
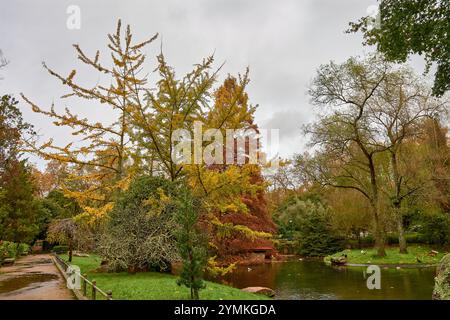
{"x": 314, "y": 280}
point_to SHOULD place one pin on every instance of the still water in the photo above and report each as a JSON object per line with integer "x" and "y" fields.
{"x": 314, "y": 280}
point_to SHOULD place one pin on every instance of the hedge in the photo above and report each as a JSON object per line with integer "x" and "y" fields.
{"x": 12, "y": 250}
{"x": 60, "y": 249}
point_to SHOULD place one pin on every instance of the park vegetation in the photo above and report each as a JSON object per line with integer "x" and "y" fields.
{"x": 113, "y": 189}
{"x": 376, "y": 174}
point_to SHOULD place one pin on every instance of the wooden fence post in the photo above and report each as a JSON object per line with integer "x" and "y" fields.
{"x": 109, "y": 295}
{"x": 94, "y": 289}
{"x": 84, "y": 284}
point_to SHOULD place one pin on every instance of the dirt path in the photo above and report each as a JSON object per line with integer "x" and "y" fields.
{"x": 33, "y": 277}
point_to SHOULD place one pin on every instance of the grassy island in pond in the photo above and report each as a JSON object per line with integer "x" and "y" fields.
{"x": 152, "y": 285}
{"x": 415, "y": 255}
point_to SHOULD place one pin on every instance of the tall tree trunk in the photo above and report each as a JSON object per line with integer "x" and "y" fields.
{"x": 358, "y": 236}
{"x": 401, "y": 236}
{"x": 70, "y": 250}
{"x": 379, "y": 236}
{"x": 397, "y": 203}
{"x": 196, "y": 296}
{"x": 379, "y": 232}
{"x": 401, "y": 232}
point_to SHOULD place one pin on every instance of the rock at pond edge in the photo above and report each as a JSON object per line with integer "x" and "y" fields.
{"x": 260, "y": 290}
{"x": 442, "y": 280}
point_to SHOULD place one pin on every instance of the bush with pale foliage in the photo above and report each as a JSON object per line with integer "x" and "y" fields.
{"x": 139, "y": 233}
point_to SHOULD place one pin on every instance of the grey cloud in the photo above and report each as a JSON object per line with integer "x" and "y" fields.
{"x": 283, "y": 43}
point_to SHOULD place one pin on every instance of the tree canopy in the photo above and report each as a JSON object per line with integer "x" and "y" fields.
{"x": 409, "y": 27}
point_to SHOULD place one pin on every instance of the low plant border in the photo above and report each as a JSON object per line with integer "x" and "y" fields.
{"x": 392, "y": 265}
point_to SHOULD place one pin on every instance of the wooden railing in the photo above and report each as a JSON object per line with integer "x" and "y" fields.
{"x": 84, "y": 293}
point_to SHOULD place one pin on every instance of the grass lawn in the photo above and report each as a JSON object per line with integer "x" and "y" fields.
{"x": 153, "y": 285}
{"x": 368, "y": 255}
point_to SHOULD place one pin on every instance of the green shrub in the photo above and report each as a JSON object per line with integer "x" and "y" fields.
{"x": 8, "y": 249}
{"x": 363, "y": 242}
{"x": 60, "y": 249}
{"x": 441, "y": 285}
{"x": 139, "y": 234}
{"x": 47, "y": 246}
{"x": 309, "y": 222}
{"x": 286, "y": 246}
{"x": 12, "y": 250}
{"x": 415, "y": 237}
{"x": 23, "y": 249}
{"x": 367, "y": 241}
{"x": 351, "y": 244}
{"x": 391, "y": 239}
{"x": 436, "y": 228}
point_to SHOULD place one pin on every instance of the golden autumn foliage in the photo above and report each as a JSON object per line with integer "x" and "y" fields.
{"x": 103, "y": 153}
{"x": 140, "y": 141}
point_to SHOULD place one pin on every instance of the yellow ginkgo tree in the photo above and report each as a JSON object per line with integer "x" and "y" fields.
{"x": 103, "y": 155}
{"x": 142, "y": 138}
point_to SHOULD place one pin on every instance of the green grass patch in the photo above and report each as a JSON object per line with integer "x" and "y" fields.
{"x": 87, "y": 264}
{"x": 152, "y": 285}
{"x": 417, "y": 254}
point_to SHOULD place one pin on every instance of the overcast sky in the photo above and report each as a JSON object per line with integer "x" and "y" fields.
{"x": 283, "y": 43}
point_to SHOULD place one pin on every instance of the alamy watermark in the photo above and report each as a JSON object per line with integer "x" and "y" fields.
{"x": 226, "y": 146}
{"x": 73, "y": 277}
{"x": 374, "y": 279}
{"x": 73, "y": 21}
{"x": 374, "y": 17}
